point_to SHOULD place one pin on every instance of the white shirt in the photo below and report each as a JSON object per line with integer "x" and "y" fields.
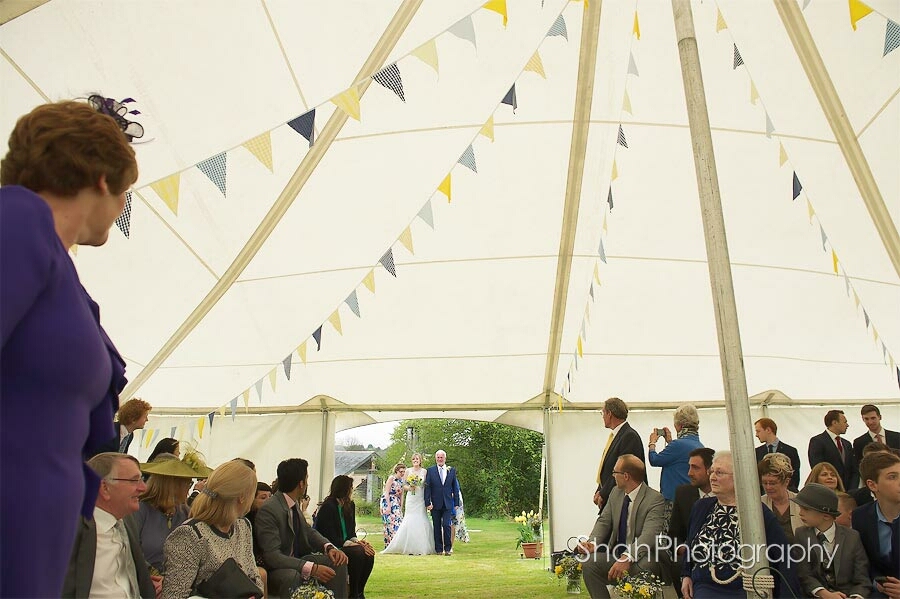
{"x": 442, "y": 470}
{"x": 880, "y": 432}
{"x": 705, "y": 495}
{"x": 110, "y": 578}
{"x": 616, "y": 430}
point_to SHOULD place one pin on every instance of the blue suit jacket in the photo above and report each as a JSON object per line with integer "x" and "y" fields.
{"x": 865, "y": 522}
{"x": 441, "y": 496}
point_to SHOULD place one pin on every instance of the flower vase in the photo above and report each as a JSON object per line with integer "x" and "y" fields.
{"x": 573, "y": 585}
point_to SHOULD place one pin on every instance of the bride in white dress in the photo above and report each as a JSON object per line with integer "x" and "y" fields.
{"x": 416, "y": 533}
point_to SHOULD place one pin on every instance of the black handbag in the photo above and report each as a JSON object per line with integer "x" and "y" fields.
{"x": 229, "y": 582}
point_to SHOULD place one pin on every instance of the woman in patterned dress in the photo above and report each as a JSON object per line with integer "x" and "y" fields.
{"x": 392, "y": 502}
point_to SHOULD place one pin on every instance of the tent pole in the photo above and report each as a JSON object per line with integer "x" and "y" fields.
{"x": 286, "y": 198}
{"x": 735, "y": 384}
{"x": 795, "y": 25}
{"x": 587, "y": 62}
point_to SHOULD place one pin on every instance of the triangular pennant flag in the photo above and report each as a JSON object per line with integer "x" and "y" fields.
{"x": 597, "y": 273}
{"x": 609, "y": 199}
{"x": 74, "y": 250}
{"x": 390, "y": 78}
{"x": 233, "y": 409}
{"x": 575, "y": 359}
{"x": 754, "y": 93}
{"x": 305, "y": 125}
{"x": 602, "y": 252}
{"x": 738, "y": 61}
{"x": 348, "y": 101}
{"x": 510, "y": 98}
{"x": 883, "y": 352}
{"x": 559, "y": 28}
{"x": 464, "y": 29}
{"x": 621, "y": 138}
{"x": 626, "y": 103}
{"x": 167, "y": 190}
{"x": 580, "y": 348}
{"x": 211, "y": 416}
{"x": 605, "y": 230}
{"x": 286, "y": 363}
{"x": 866, "y": 316}
{"x": 583, "y": 330}
{"x": 846, "y": 284}
{"x": 427, "y": 53}
{"x": 809, "y": 210}
{"x": 261, "y": 147}
{"x": 782, "y": 155}
{"x": 499, "y": 7}
{"x": 216, "y": 168}
{"x": 770, "y": 128}
{"x": 301, "y": 351}
{"x": 246, "y": 396}
{"x": 273, "y": 376}
{"x": 898, "y": 376}
{"x": 353, "y": 302}
{"x": 258, "y": 385}
{"x": 891, "y": 37}
{"x": 201, "y": 424}
{"x": 834, "y": 260}
{"x": 536, "y": 65}
{"x": 335, "y": 320}
{"x": 369, "y": 281}
{"x": 124, "y": 220}
{"x": 636, "y": 29}
{"x": 406, "y": 239}
{"x": 444, "y": 187}
{"x": 591, "y": 291}
{"x": 587, "y": 313}
{"x": 855, "y": 298}
{"x": 468, "y": 160}
{"x": 426, "y": 214}
{"x": 858, "y": 10}
{"x": 874, "y": 333}
{"x": 317, "y": 337}
{"x": 797, "y": 186}
{"x": 387, "y": 261}
{"x": 615, "y": 171}
{"x": 223, "y": 410}
{"x": 720, "y": 21}
{"x": 632, "y": 66}
{"x": 488, "y": 128}
{"x": 172, "y": 432}
{"x": 823, "y": 236}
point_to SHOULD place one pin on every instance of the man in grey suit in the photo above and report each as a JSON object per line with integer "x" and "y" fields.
{"x": 624, "y": 539}
{"x": 107, "y": 559}
{"x": 286, "y": 541}
{"x": 836, "y": 563}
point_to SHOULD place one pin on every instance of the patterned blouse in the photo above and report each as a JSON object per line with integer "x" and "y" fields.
{"x": 719, "y": 537}
{"x": 190, "y": 561}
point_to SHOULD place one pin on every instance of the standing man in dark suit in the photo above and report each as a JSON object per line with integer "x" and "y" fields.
{"x": 622, "y": 439}
{"x": 871, "y": 416}
{"x": 107, "y": 560}
{"x": 878, "y": 523}
{"x": 832, "y": 448}
{"x": 441, "y": 499}
{"x": 287, "y": 541}
{"x": 766, "y": 432}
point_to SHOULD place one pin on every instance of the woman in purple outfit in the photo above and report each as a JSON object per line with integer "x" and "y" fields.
{"x": 64, "y": 180}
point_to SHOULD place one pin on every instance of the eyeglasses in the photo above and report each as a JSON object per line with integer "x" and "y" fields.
{"x": 720, "y": 473}
{"x": 133, "y": 481}
{"x": 619, "y": 472}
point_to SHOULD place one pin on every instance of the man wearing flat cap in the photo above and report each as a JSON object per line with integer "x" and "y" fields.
{"x": 836, "y": 564}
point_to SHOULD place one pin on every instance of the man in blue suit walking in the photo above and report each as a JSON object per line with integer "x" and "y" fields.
{"x": 441, "y": 499}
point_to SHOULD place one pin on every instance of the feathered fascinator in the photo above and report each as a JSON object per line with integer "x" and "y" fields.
{"x": 195, "y": 460}
{"x": 118, "y": 111}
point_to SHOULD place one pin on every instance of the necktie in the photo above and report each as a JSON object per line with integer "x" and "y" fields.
{"x": 840, "y": 446}
{"x": 879, "y": 438}
{"x": 126, "y": 440}
{"x": 603, "y": 457}
{"x": 295, "y": 514}
{"x": 127, "y": 560}
{"x": 622, "y": 537}
{"x": 895, "y": 539}
{"x": 826, "y": 572}
{"x": 771, "y": 449}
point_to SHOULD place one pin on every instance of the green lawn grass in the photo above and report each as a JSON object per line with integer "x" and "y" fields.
{"x": 487, "y": 567}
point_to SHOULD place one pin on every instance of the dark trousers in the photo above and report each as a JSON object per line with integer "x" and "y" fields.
{"x": 442, "y": 518}
{"x": 359, "y": 567}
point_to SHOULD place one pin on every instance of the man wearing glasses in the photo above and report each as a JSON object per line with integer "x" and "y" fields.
{"x": 107, "y": 560}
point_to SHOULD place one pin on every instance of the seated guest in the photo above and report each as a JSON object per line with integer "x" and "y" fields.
{"x": 336, "y": 521}
{"x": 165, "y": 445}
{"x": 674, "y": 458}
{"x": 625, "y": 533}
{"x": 766, "y": 432}
{"x": 263, "y": 492}
{"x": 846, "y": 505}
{"x": 774, "y": 473}
{"x": 824, "y": 474}
{"x": 710, "y": 566}
{"x": 829, "y": 446}
{"x": 871, "y": 416}
{"x": 827, "y": 572}
{"x": 107, "y": 560}
{"x": 686, "y": 496}
{"x": 287, "y": 542}
{"x": 878, "y": 523}
{"x": 863, "y": 495}
{"x": 215, "y": 532}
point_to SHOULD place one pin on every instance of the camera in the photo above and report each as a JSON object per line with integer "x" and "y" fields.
{"x": 661, "y": 432}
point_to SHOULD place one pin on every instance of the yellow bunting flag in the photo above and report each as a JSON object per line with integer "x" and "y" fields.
{"x": 148, "y": 436}
{"x": 626, "y": 103}
{"x": 406, "y": 240}
{"x": 605, "y": 230}
{"x": 487, "y": 129}
{"x": 855, "y": 298}
{"x": 348, "y": 101}
{"x": 335, "y": 320}
{"x": 273, "y": 376}
{"x": 892, "y": 361}
{"x": 754, "y": 94}
{"x": 720, "y": 21}
{"x": 615, "y": 171}
{"x": 444, "y": 187}
{"x": 809, "y": 210}
{"x": 167, "y": 190}
{"x": 536, "y": 65}
{"x": 201, "y": 424}
{"x": 858, "y": 10}
{"x": 370, "y": 281}
{"x": 597, "y": 273}
{"x": 834, "y": 260}
{"x": 223, "y": 411}
{"x": 636, "y": 30}
{"x": 874, "y": 333}
{"x": 580, "y": 347}
{"x": 427, "y": 53}
{"x": 587, "y": 313}
{"x": 74, "y": 249}
{"x": 261, "y": 147}
{"x": 246, "y": 396}
{"x": 782, "y": 155}
{"x": 301, "y": 351}
{"x": 499, "y": 7}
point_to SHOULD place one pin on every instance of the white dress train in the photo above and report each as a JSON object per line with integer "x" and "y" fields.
{"x": 416, "y": 533}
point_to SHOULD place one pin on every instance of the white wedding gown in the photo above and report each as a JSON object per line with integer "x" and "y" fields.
{"x": 416, "y": 533}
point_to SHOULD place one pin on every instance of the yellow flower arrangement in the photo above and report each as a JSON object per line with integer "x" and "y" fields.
{"x": 312, "y": 590}
{"x": 642, "y": 585}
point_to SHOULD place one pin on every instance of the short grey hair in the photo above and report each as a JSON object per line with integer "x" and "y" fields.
{"x": 103, "y": 463}
{"x": 687, "y": 415}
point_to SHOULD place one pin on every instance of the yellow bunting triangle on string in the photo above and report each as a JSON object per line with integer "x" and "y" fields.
{"x": 167, "y": 190}
{"x": 369, "y": 281}
{"x": 834, "y": 260}
{"x": 782, "y": 155}
{"x": 246, "y": 396}
{"x": 587, "y": 313}
{"x": 536, "y": 65}
{"x": 488, "y": 129}
{"x": 597, "y": 273}
{"x": 874, "y": 333}
{"x": 335, "y": 320}
{"x": 273, "y": 376}
{"x": 754, "y": 93}
{"x": 301, "y": 351}
{"x": 615, "y": 171}
{"x": 348, "y": 101}
{"x": 444, "y": 187}
{"x": 261, "y": 147}
{"x": 636, "y": 30}
{"x": 427, "y": 53}
{"x": 223, "y": 411}
{"x": 580, "y": 347}
{"x": 720, "y": 21}
{"x": 858, "y": 10}
{"x": 855, "y": 298}
{"x": 406, "y": 239}
{"x": 892, "y": 361}
{"x": 809, "y": 210}
{"x": 148, "y": 436}
{"x": 201, "y": 424}
{"x": 499, "y": 7}
{"x": 605, "y": 230}
{"x": 626, "y": 103}
{"x": 74, "y": 249}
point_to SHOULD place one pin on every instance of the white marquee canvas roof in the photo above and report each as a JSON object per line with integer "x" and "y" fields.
{"x": 467, "y": 318}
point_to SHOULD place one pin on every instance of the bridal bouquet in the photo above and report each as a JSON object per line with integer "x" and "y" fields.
{"x": 312, "y": 590}
{"x": 642, "y": 585}
{"x": 414, "y": 481}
